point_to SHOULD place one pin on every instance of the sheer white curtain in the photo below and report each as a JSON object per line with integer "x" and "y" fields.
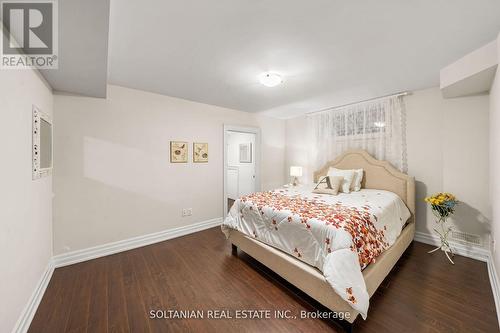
{"x": 378, "y": 126}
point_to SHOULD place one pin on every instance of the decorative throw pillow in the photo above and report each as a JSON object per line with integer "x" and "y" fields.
{"x": 323, "y": 183}
{"x": 328, "y": 185}
{"x": 336, "y": 182}
{"x": 348, "y": 178}
{"x": 356, "y": 182}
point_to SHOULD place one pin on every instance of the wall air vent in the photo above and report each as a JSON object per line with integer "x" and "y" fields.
{"x": 466, "y": 238}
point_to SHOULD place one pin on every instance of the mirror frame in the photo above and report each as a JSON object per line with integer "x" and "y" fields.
{"x": 38, "y": 115}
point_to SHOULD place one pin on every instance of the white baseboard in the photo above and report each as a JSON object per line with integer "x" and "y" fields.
{"x": 131, "y": 243}
{"x": 469, "y": 251}
{"x": 24, "y": 321}
{"x": 492, "y": 272}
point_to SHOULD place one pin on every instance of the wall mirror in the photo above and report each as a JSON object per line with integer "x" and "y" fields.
{"x": 42, "y": 144}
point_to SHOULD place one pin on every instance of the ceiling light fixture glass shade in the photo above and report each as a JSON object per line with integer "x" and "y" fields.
{"x": 270, "y": 79}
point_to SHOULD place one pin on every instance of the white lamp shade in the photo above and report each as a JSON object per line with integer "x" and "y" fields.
{"x": 296, "y": 171}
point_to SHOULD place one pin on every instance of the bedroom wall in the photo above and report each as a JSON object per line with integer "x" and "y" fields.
{"x": 112, "y": 176}
{"x": 447, "y": 141}
{"x": 495, "y": 162}
{"x": 26, "y": 214}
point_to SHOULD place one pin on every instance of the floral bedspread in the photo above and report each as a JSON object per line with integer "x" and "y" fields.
{"x": 340, "y": 235}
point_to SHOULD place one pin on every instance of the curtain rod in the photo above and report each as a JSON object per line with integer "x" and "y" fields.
{"x": 402, "y": 93}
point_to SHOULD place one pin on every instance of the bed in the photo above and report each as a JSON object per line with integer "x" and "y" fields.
{"x": 381, "y": 182}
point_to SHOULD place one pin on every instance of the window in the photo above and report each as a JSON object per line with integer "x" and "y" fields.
{"x": 359, "y": 122}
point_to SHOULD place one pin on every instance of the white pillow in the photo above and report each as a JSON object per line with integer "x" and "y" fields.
{"x": 356, "y": 182}
{"x": 348, "y": 178}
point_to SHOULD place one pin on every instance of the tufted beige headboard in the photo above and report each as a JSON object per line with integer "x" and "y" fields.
{"x": 379, "y": 175}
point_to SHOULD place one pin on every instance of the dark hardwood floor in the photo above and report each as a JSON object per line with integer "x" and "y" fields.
{"x": 197, "y": 272}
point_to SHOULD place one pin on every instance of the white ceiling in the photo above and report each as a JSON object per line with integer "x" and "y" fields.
{"x": 83, "y": 48}
{"x": 330, "y": 52}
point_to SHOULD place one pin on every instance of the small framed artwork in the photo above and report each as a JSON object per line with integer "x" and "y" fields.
{"x": 178, "y": 152}
{"x": 200, "y": 152}
{"x": 246, "y": 152}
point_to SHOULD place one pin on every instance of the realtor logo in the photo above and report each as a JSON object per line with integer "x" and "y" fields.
{"x": 30, "y": 34}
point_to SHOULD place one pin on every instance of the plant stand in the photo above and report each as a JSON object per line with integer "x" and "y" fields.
{"x": 443, "y": 235}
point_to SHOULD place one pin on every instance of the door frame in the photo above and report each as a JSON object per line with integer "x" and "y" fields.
{"x": 257, "y": 155}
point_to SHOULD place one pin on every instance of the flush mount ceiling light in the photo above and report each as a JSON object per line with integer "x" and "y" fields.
{"x": 270, "y": 79}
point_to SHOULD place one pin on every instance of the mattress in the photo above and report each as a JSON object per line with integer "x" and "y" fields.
{"x": 340, "y": 235}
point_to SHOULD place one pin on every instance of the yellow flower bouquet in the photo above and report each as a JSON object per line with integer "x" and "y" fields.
{"x": 443, "y": 206}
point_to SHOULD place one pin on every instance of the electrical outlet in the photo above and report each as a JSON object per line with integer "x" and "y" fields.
{"x": 187, "y": 212}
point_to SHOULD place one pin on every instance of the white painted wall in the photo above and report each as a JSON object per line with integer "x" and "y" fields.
{"x": 246, "y": 171}
{"x": 495, "y": 162}
{"x": 112, "y": 175}
{"x": 447, "y": 151}
{"x": 26, "y": 205}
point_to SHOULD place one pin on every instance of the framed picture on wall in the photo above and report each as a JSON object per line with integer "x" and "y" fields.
{"x": 246, "y": 152}
{"x": 200, "y": 152}
{"x": 178, "y": 152}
